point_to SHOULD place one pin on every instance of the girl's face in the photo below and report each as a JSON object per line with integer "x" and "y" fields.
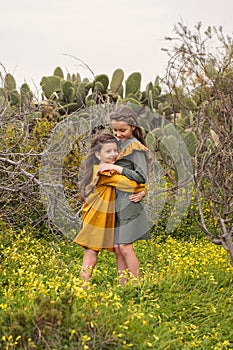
{"x": 122, "y": 130}
{"x": 108, "y": 153}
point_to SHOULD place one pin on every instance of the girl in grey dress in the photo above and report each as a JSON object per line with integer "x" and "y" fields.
{"x": 131, "y": 219}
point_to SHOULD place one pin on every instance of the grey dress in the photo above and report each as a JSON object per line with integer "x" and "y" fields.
{"x": 131, "y": 220}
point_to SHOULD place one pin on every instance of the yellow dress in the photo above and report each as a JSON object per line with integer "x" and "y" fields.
{"x": 98, "y": 212}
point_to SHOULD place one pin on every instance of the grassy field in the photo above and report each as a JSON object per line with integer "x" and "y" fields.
{"x": 183, "y": 301}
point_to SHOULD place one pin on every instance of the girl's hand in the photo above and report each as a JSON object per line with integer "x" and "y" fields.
{"x": 105, "y": 167}
{"x": 136, "y": 197}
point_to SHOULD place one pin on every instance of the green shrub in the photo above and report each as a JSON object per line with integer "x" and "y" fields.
{"x": 183, "y": 301}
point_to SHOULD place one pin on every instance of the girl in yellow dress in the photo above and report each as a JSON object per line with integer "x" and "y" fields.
{"x": 98, "y": 191}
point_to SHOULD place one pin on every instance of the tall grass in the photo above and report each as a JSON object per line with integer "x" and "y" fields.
{"x": 183, "y": 301}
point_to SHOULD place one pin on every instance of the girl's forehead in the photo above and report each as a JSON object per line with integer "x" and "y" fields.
{"x": 109, "y": 145}
{"x": 120, "y": 123}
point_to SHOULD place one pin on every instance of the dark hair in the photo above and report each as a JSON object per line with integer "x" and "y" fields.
{"x": 125, "y": 114}
{"x": 91, "y": 159}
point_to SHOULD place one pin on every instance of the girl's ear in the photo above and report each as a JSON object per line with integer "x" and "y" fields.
{"x": 97, "y": 154}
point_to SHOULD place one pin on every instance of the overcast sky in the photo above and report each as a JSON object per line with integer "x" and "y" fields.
{"x": 105, "y": 34}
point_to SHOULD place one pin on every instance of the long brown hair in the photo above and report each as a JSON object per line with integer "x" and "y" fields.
{"x": 86, "y": 171}
{"x": 125, "y": 114}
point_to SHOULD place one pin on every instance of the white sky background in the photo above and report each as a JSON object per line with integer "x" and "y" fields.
{"x": 105, "y": 34}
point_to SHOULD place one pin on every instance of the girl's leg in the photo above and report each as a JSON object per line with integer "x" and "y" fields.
{"x": 121, "y": 265}
{"x": 130, "y": 259}
{"x": 89, "y": 262}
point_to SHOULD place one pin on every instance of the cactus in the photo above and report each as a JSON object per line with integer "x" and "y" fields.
{"x": 26, "y": 95}
{"x": 171, "y": 144}
{"x": 183, "y": 120}
{"x": 68, "y": 108}
{"x": 50, "y": 85}
{"x": 151, "y": 141}
{"x": 157, "y": 81}
{"x": 89, "y": 101}
{"x": 180, "y": 123}
{"x": 88, "y": 86}
{"x": 98, "y": 88}
{"x": 14, "y": 97}
{"x": 101, "y": 83}
{"x": 68, "y": 77}
{"x": 78, "y": 78}
{"x": 157, "y": 88}
{"x": 82, "y": 91}
{"x": 157, "y": 132}
{"x": 9, "y": 82}
{"x": 157, "y": 91}
{"x": 149, "y": 87}
{"x": 131, "y": 101}
{"x": 10, "y": 92}
{"x": 58, "y": 72}
{"x": 121, "y": 91}
{"x": 133, "y": 83}
{"x": 117, "y": 79}
{"x": 164, "y": 108}
{"x": 190, "y": 142}
{"x": 67, "y": 86}
{"x": 71, "y": 94}
{"x": 191, "y": 118}
{"x": 143, "y": 122}
{"x": 168, "y": 147}
{"x": 150, "y": 100}
{"x": 151, "y": 96}
{"x": 169, "y": 129}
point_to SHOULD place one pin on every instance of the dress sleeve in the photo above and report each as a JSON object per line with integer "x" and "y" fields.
{"x": 120, "y": 182}
{"x": 139, "y": 173}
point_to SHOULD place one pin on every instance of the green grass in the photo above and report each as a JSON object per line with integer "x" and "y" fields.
{"x": 183, "y": 301}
